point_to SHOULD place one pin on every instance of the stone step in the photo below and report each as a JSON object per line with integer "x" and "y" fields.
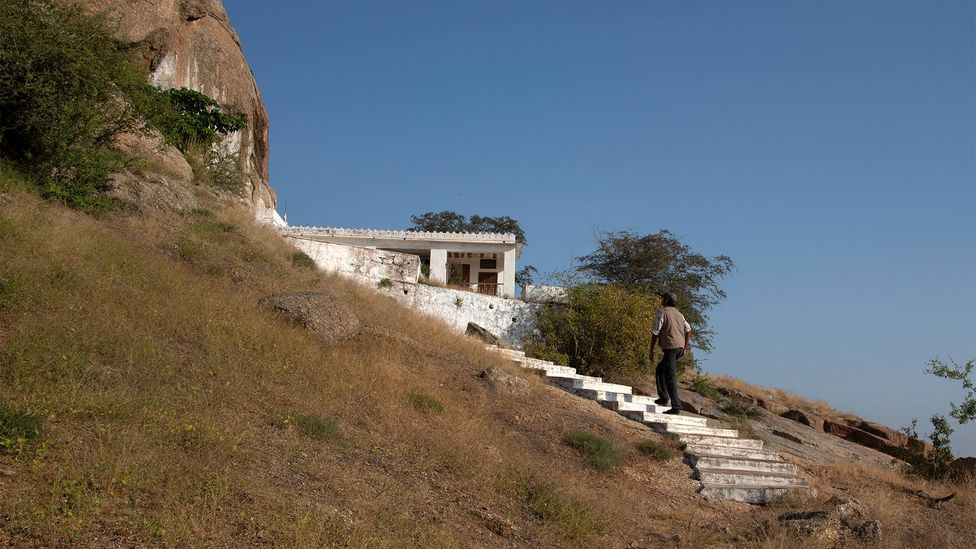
{"x": 652, "y": 418}
{"x": 728, "y": 451}
{"x": 750, "y": 478}
{"x": 741, "y": 464}
{"x": 683, "y": 429}
{"x": 552, "y": 369}
{"x": 724, "y": 442}
{"x": 621, "y": 406}
{"x": 569, "y": 379}
{"x": 761, "y": 495}
{"x": 600, "y": 386}
{"x": 507, "y": 352}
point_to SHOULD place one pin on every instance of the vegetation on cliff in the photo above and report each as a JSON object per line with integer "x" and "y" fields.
{"x": 68, "y": 90}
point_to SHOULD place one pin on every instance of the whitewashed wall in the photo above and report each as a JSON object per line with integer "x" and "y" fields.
{"x": 364, "y": 264}
{"x": 509, "y": 319}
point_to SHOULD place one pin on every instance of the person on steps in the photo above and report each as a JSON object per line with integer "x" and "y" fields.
{"x": 673, "y": 333}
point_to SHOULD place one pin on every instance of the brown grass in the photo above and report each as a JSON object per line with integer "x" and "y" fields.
{"x": 777, "y": 395}
{"x": 170, "y": 401}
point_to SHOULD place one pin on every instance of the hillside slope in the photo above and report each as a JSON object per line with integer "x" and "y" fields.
{"x": 176, "y": 410}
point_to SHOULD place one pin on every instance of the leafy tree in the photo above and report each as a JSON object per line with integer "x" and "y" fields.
{"x": 525, "y": 276}
{"x": 452, "y": 222}
{"x": 194, "y": 118}
{"x": 966, "y": 411}
{"x": 63, "y": 78}
{"x": 936, "y": 462}
{"x": 656, "y": 263}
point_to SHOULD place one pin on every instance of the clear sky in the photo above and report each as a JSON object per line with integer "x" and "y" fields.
{"x": 829, "y": 148}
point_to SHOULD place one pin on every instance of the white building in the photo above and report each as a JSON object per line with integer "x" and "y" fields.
{"x": 481, "y": 262}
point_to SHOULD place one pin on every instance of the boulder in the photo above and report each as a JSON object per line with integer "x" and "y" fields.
{"x": 843, "y": 519}
{"x": 160, "y": 180}
{"x": 964, "y": 468}
{"x": 328, "y": 318}
{"x": 478, "y": 332}
{"x": 772, "y": 406}
{"x": 500, "y": 380}
{"x": 191, "y": 44}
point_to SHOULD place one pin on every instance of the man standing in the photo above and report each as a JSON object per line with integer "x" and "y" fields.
{"x": 674, "y": 334}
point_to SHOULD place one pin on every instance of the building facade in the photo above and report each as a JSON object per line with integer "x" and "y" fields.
{"x": 480, "y": 262}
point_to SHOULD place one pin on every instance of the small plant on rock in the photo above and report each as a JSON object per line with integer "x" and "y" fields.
{"x": 385, "y": 283}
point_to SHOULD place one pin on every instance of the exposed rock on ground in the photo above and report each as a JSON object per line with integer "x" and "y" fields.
{"x": 503, "y": 381}
{"x": 191, "y": 44}
{"x": 845, "y": 520}
{"x": 322, "y": 313}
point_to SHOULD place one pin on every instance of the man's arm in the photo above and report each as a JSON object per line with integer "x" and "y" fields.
{"x": 650, "y": 351}
{"x": 688, "y": 340}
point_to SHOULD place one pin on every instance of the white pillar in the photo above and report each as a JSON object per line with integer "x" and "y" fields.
{"x": 508, "y": 274}
{"x": 438, "y": 265}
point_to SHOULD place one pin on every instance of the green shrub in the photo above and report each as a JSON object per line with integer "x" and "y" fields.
{"x": 303, "y": 260}
{"x": 655, "y": 450}
{"x": 425, "y": 403}
{"x": 738, "y": 407}
{"x": 543, "y": 352}
{"x": 317, "y": 427}
{"x": 68, "y": 89}
{"x": 385, "y": 283}
{"x": 600, "y": 451}
{"x": 18, "y": 429}
{"x": 604, "y": 330}
{"x": 60, "y": 87}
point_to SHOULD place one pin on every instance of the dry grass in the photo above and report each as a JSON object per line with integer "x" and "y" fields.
{"x": 777, "y": 395}
{"x": 176, "y": 411}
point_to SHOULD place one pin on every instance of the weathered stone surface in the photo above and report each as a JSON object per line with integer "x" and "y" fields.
{"x": 159, "y": 180}
{"x": 322, "y": 313}
{"x": 191, "y": 44}
{"x": 843, "y": 519}
{"x": 503, "y": 381}
{"x": 772, "y": 406}
{"x": 881, "y": 431}
{"x": 811, "y": 420}
{"x": 484, "y": 335}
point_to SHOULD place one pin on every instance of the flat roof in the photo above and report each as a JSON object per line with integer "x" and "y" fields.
{"x": 383, "y": 234}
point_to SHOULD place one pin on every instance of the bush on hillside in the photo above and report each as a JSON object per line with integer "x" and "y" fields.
{"x": 61, "y": 86}
{"x": 600, "y": 451}
{"x": 603, "y": 330}
{"x": 68, "y": 89}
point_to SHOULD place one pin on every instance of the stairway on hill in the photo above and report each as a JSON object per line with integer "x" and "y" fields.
{"x": 728, "y": 467}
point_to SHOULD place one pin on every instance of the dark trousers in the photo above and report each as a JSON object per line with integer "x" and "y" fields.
{"x": 667, "y": 386}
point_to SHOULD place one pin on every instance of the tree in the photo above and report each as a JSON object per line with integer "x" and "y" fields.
{"x": 525, "y": 276}
{"x": 936, "y": 462}
{"x": 657, "y": 263}
{"x": 452, "y": 222}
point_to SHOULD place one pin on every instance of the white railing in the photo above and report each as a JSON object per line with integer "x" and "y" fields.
{"x": 397, "y": 235}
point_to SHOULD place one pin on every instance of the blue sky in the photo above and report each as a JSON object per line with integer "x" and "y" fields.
{"x": 829, "y": 148}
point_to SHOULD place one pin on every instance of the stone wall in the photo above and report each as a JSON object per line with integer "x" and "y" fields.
{"x": 367, "y": 265}
{"x": 509, "y": 319}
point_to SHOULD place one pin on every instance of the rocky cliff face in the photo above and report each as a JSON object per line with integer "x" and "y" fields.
{"x": 191, "y": 44}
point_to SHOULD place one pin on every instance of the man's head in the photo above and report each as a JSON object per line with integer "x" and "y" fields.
{"x": 669, "y": 299}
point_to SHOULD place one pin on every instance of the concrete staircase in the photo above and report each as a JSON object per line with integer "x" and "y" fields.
{"x": 727, "y": 466}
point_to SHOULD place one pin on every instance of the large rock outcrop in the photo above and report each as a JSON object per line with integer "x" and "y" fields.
{"x": 191, "y": 44}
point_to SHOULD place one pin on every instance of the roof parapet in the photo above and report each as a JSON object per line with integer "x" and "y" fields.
{"x": 397, "y": 234}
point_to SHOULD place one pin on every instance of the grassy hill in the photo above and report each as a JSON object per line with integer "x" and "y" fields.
{"x": 149, "y": 399}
